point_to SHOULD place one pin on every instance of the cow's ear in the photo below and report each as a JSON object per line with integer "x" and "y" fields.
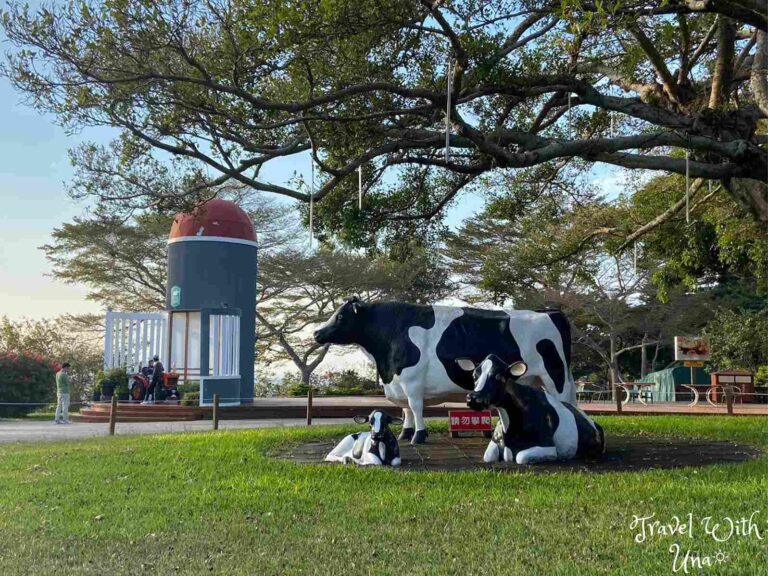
{"x": 396, "y": 420}
{"x": 517, "y": 369}
{"x": 360, "y": 419}
{"x": 465, "y": 364}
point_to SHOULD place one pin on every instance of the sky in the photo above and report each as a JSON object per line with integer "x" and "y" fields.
{"x": 34, "y": 171}
{"x": 33, "y": 168}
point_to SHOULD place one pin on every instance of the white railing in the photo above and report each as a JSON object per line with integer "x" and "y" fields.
{"x": 132, "y": 339}
{"x": 224, "y": 343}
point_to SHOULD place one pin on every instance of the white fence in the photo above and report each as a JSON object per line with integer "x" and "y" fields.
{"x": 224, "y": 345}
{"x": 131, "y": 339}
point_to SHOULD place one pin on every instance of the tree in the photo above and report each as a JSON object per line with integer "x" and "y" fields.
{"x": 74, "y": 339}
{"x": 298, "y": 291}
{"x": 715, "y": 243}
{"x": 541, "y": 255}
{"x": 236, "y": 86}
{"x": 25, "y": 380}
{"x": 739, "y": 339}
{"x": 123, "y": 264}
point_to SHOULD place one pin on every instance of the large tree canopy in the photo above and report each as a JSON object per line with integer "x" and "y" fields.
{"x": 232, "y": 86}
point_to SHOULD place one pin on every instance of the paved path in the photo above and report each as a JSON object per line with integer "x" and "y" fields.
{"x": 44, "y": 431}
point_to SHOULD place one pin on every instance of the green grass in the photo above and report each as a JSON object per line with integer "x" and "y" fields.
{"x": 215, "y": 503}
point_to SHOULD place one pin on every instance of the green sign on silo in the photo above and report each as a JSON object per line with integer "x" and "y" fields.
{"x": 175, "y": 296}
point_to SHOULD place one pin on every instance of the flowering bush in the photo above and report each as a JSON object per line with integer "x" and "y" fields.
{"x": 25, "y": 378}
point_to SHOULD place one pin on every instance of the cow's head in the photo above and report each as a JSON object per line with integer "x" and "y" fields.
{"x": 379, "y": 422}
{"x": 344, "y": 326}
{"x": 491, "y": 378}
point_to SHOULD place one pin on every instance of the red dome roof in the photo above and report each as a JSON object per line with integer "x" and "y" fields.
{"x": 216, "y": 218}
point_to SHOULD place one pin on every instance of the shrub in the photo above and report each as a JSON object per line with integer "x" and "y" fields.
{"x": 117, "y": 375}
{"x": 188, "y": 387}
{"x": 190, "y": 399}
{"x": 761, "y": 376}
{"x": 98, "y": 378}
{"x": 297, "y": 389}
{"x": 346, "y": 383}
{"x": 114, "y": 380}
{"x": 25, "y": 378}
{"x": 350, "y": 383}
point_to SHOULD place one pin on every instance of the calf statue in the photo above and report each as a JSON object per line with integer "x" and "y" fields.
{"x": 375, "y": 448}
{"x": 415, "y": 349}
{"x": 534, "y": 426}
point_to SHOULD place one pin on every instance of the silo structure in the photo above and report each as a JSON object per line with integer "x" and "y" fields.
{"x": 211, "y": 300}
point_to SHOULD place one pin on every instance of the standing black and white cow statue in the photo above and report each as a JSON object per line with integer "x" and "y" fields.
{"x": 534, "y": 426}
{"x": 375, "y": 448}
{"x": 415, "y": 349}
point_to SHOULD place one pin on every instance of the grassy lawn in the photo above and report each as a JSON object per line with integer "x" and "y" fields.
{"x": 214, "y": 503}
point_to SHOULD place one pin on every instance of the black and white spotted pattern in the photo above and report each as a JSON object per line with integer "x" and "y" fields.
{"x": 378, "y": 447}
{"x": 534, "y": 426}
{"x": 415, "y": 347}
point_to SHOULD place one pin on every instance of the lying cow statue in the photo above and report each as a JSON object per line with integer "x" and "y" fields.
{"x": 415, "y": 349}
{"x": 375, "y": 448}
{"x": 534, "y": 426}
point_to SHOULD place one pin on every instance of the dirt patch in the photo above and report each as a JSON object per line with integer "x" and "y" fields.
{"x": 624, "y": 454}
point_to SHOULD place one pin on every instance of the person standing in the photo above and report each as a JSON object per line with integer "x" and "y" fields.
{"x": 157, "y": 379}
{"x": 62, "y": 395}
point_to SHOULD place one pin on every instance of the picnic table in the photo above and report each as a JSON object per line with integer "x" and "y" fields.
{"x": 637, "y": 391}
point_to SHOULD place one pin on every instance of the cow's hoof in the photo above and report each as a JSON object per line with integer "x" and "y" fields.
{"x": 406, "y": 433}
{"x": 420, "y": 437}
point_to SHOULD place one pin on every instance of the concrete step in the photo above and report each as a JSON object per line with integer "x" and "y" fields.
{"x": 144, "y": 409}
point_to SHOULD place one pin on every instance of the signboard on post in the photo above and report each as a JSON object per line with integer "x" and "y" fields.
{"x": 695, "y": 348}
{"x": 470, "y": 421}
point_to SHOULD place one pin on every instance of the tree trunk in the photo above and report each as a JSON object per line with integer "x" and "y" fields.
{"x": 656, "y": 354}
{"x": 305, "y": 374}
{"x": 643, "y": 357}
{"x": 759, "y": 75}
{"x": 721, "y": 79}
{"x": 752, "y": 195}
{"x": 613, "y": 367}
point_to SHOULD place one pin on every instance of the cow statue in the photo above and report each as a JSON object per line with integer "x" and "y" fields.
{"x": 534, "y": 426}
{"x": 375, "y": 448}
{"x": 415, "y": 348}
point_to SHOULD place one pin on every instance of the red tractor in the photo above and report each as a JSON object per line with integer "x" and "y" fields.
{"x": 140, "y": 382}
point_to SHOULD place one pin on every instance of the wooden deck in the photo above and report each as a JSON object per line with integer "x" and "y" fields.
{"x": 349, "y": 406}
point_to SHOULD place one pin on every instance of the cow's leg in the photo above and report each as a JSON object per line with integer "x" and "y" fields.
{"x": 536, "y": 454}
{"x": 491, "y": 453}
{"x": 408, "y": 427}
{"x": 342, "y": 452}
{"x": 417, "y": 407}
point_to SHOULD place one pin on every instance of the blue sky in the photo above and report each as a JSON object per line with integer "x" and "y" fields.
{"x": 34, "y": 169}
